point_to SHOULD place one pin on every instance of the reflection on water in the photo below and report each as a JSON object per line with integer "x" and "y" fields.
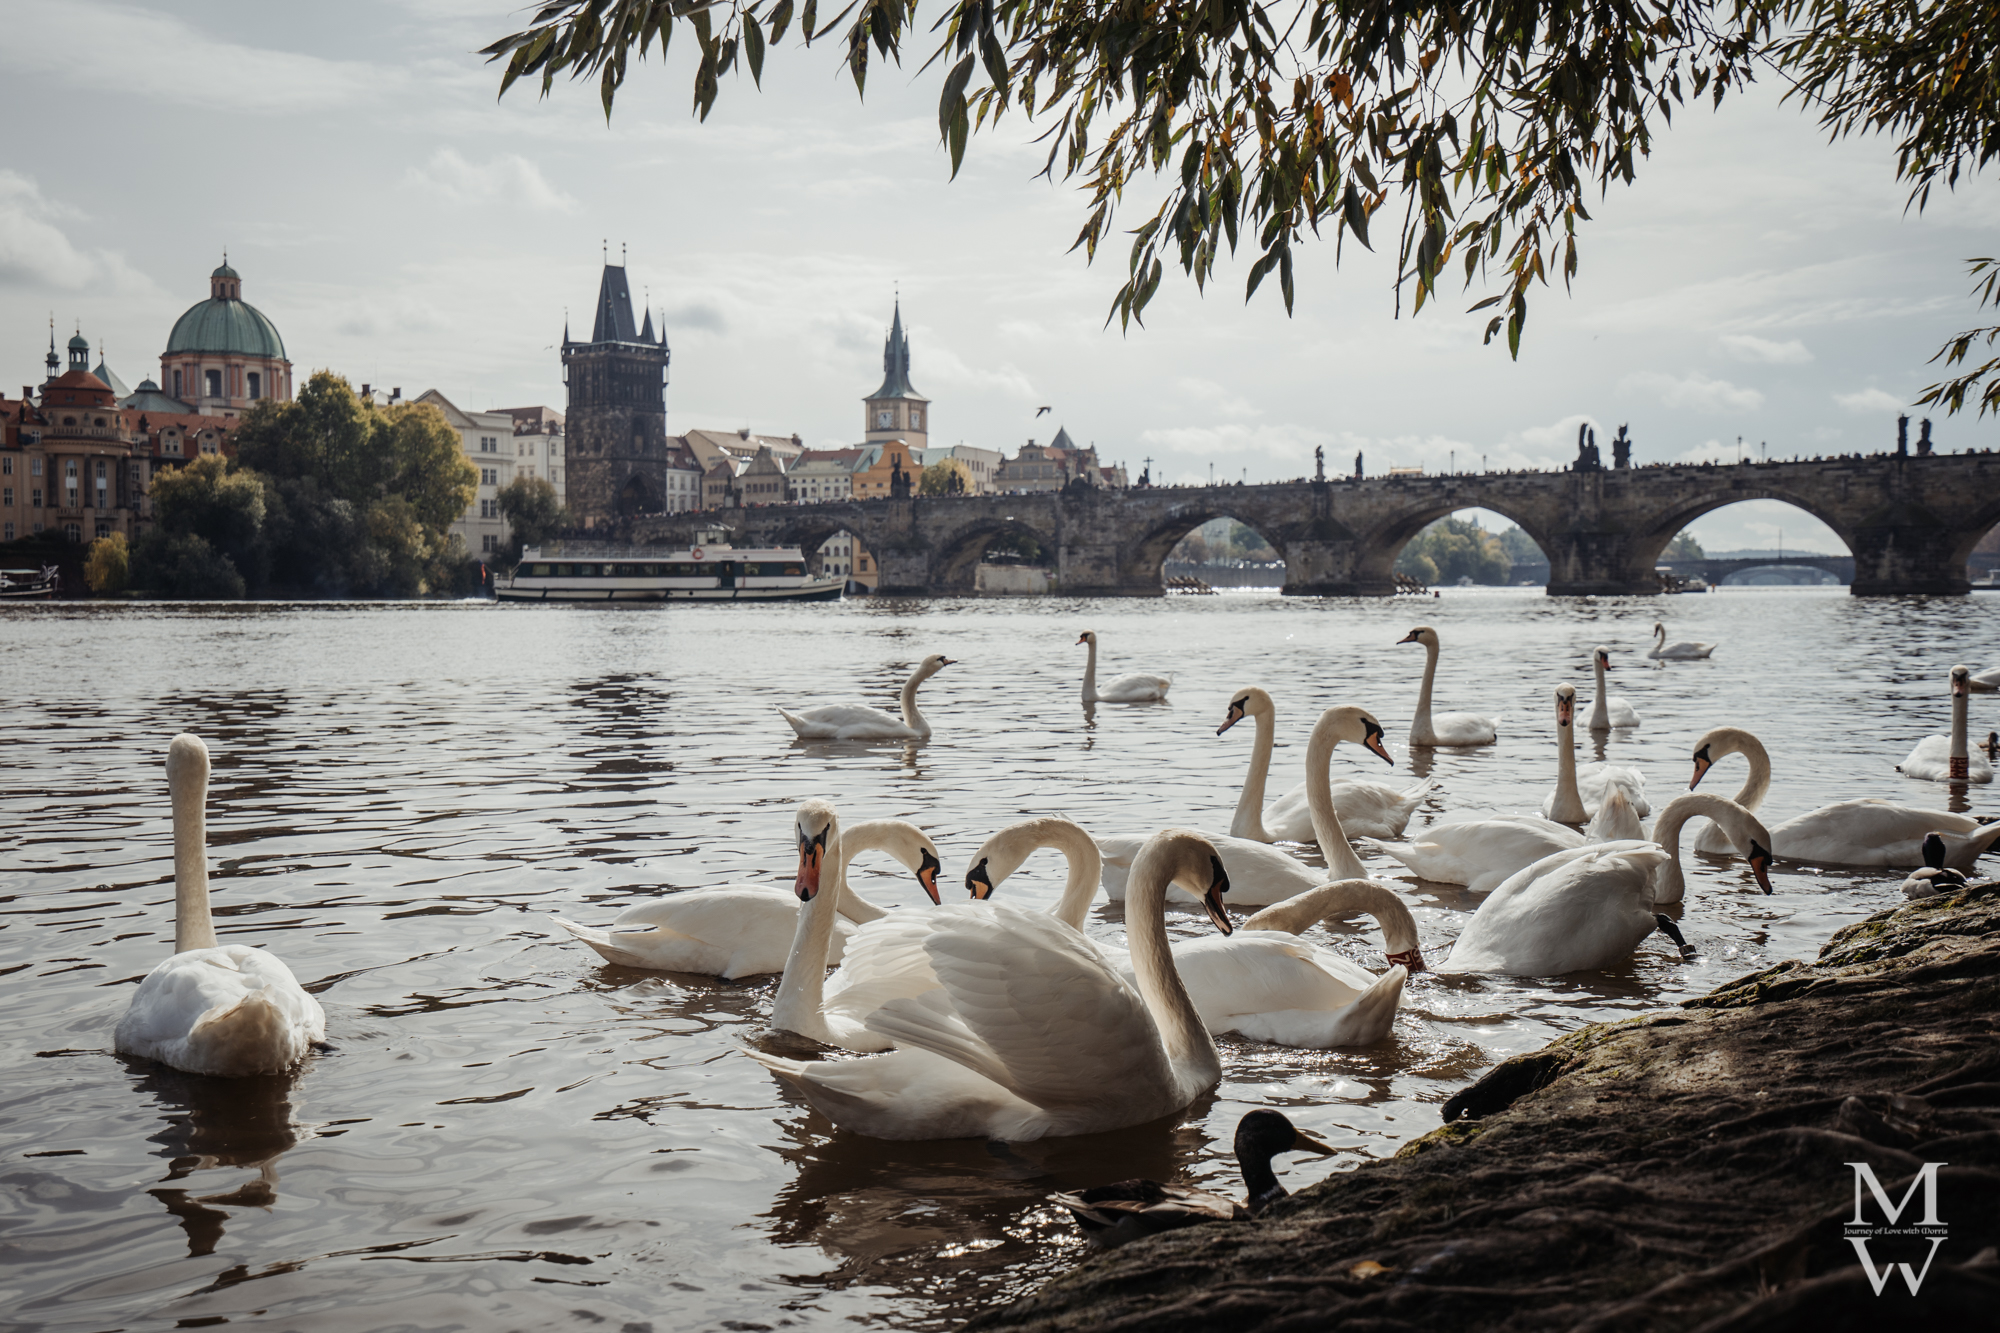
{"x": 510, "y": 1133}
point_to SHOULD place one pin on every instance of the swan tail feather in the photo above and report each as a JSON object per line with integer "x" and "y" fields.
{"x": 600, "y": 940}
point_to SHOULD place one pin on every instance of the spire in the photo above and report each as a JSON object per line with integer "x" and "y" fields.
{"x": 646, "y": 333}
{"x": 614, "y": 308}
{"x": 896, "y": 361}
{"x": 54, "y": 363}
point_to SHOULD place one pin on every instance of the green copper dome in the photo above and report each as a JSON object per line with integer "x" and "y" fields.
{"x": 225, "y": 271}
{"x": 221, "y": 325}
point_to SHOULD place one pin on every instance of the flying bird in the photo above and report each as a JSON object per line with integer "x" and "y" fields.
{"x": 1040, "y": 410}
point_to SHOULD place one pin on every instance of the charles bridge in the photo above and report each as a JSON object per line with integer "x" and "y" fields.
{"x": 1910, "y": 523}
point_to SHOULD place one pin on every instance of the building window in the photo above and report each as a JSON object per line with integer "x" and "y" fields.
{"x": 103, "y": 529}
{"x": 208, "y": 444}
{"x": 73, "y": 532}
{"x": 10, "y": 532}
{"x": 527, "y": 472}
{"x": 489, "y": 476}
{"x": 214, "y": 378}
{"x": 256, "y": 385}
{"x": 487, "y": 544}
{"x": 36, "y": 495}
{"x": 177, "y": 384}
{"x": 7, "y": 466}
{"x": 7, "y": 498}
{"x": 34, "y": 467}
{"x": 172, "y": 445}
{"x": 489, "y": 509}
{"x": 488, "y": 445}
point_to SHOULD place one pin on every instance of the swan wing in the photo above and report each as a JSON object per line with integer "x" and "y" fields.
{"x": 909, "y": 1094}
{"x": 1135, "y": 688}
{"x": 886, "y": 960}
{"x": 1592, "y": 780}
{"x": 1482, "y": 853}
{"x": 729, "y": 931}
{"x": 1867, "y": 832}
{"x": 1368, "y": 1019}
{"x": 230, "y": 1011}
{"x": 1259, "y": 874}
{"x": 1931, "y": 762}
{"x": 1464, "y": 729}
{"x": 1032, "y": 1005}
{"x": 1261, "y": 971}
{"x": 846, "y": 722}
{"x": 1366, "y": 809}
{"x": 1623, "y": 714}
{"x": 1584, "y": 908}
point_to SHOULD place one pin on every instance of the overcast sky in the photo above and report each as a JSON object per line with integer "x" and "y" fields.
{"x": 404, "y": 228}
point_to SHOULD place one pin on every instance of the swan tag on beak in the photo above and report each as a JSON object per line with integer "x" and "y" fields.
{"x": 812, "y": 851}
{"x": 1702, "y": 763}
{"x": 1673, "y": 932}
{"x": 1410, "y": 959}
{"x": 979, "y": 882}
{"x": 1760, "y": 861}
{"x": 1371, "y": 736}
{"x": 1212, "y": 900}
{"x": 927, "y": 874}
{"x": 1232, "y": 717}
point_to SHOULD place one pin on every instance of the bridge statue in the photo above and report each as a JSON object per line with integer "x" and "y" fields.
{"x": 1903, "y": 436}
{"x": 1587, "y": 457}
{"x": 1319, "y": 456}
{"x": 1924, "y": 441}
{"x": 1621, "y": 450}
{"x": 1357, "y": 465}
{"x": 1909, "y": 522}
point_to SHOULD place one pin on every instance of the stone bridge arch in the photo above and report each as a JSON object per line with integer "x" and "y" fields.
{"x": 1375, "y": 562}
{"x": 956, "y": 554}
{"x": 1146, "y": 564}
{"x": 1650, "y": 539}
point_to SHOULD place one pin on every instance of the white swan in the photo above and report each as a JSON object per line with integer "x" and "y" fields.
{"x": 228, "y": 1010}
{"x": 1574, "y": 911}
{"x": 1030, "y": 1031}
{"x": 824, "y": 855}
{"x": 887, "y": 960}
{"x": 1366, "y": 809}
{"x": 1868, "y": 831}
{"x": 1684, "y": 650}
{"x": 1579, "y": 792}
{"x": 1615, "y": 820}
{"x": 1137, "y": 688}
{"x": 745, "y": 930}
{"x": 1669, "y": 884}
{"x": 1606, "y": 712}
{"x": 859, "y": 722}
{"x": 1445, "y": 728}
{"x": 1260, "y": 873}
{"x": 1950, "y": 758}
{"x": 1989, "y": 679}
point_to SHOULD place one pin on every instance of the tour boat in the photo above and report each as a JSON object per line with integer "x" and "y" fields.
{"x": 25, "y": 583}
{"x": 696, "y": 574}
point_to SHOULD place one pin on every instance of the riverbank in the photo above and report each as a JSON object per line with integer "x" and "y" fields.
{"x": 1686, "y": 1169}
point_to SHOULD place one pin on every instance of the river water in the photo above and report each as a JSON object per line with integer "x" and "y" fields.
{"x": 507, "y": 1134}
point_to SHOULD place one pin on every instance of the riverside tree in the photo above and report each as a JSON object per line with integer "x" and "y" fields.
{"x": 533, "y": 513}
{"x": 1484, "y": 128}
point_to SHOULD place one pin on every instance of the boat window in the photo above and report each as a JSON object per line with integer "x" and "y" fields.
{"x": 538, "y": 571}
{"x": 562, "y": 571}
{"x": 795, "y": 569}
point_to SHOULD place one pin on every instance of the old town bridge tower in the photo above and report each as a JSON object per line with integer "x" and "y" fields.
{"x": 617, "y": 419}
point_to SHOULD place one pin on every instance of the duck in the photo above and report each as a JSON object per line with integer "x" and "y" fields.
{"x": 1446, "y": 728}
{"x": 1579, "y": 792}
{"x": 1934, "y": 877}
{"x": 225, "y": 1010}
{"x": 1606, "y": 712}
{"x": 1685, "y": 650}
{"x": 1030, "y": 1032}
{"x": 1949, "y": 758}
{"x": 1136, "y": 688}
{"x": 824, "y": 854}
{"x": 1127, "y": 1210}
{"x": 1259, "y": 873}
{"x": 1366, "y": 809}
{"x": 1991, "y": 745}
{"x": 859, "y": 722}
{"x": 734, "y": 931}
{"x": 886, "y": 959}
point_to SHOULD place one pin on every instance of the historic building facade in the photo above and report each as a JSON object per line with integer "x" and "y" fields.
{"x": 616, "y": 424}
{"x": 224, "y": 354}
{"x": 896, "y": 411}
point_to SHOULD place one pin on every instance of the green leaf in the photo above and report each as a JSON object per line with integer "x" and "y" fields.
{"x": 753, "y": 50}
{"x": 1356, "y": 214}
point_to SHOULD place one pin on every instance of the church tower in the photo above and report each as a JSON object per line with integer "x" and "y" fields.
{"x": 617, "y": 419}
{"x": 896, "y": 411}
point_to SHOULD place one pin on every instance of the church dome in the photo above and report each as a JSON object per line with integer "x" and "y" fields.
{"x": 226, "y": 323}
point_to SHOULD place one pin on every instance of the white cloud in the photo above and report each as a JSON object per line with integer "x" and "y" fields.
{"x": 1694, "y": 390}
{"x": 1749, "y": 347}
{"x": 505, "y": 178}
{"x": 1869, "y": 400}
{"x": 37, "y": 254}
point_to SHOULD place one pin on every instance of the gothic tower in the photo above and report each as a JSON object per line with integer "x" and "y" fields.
{"x": 617, "y": 420}
{"x": 896, "y": 411}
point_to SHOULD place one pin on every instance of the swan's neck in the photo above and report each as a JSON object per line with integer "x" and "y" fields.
{"x": 1249, "y": 820}
{"x": 1422, "y": 720}
{"x": 1090, "y": 672}
{"x": 1600, "y": 711}
{"x": 1659, "y": 636}
{"x": 1182, "y": 1032}
{"x": 1959, "y": 752}
{"x": 1758, "y": 785}
{"x": 912, "y": 718}
{"x": 1669, "y": 885}
{"x": 1341, "y": 861}
{"x": 1086, "y": 865}
{"x": 1567, "y": 808}
{"x": 194, "y": 928}
{"x": 1298, "y": 915}
{"x": 803, "y": 989}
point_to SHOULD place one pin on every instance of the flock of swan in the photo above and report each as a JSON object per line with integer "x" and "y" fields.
{"x": 980, "y": 1018}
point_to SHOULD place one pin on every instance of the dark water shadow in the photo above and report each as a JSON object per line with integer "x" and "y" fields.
{"x": 218, "y": 1122}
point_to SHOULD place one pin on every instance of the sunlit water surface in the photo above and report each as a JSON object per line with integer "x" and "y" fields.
{"x": 507, "y": 1134}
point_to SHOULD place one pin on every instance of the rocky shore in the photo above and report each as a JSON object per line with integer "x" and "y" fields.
{"x": 1687, "y": 1169}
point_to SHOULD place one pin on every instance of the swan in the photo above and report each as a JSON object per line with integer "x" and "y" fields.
{"x": 1137, "y": 688}
{"x": 887, "y": 961}
{"x": 1366, "y": 809}
{"x": 1030, "y": 1031}
{"x": 1685, "y": 650}
{"x": 1579, "y": 792}
{"x": 1669, "y": 885}
{"x": 1935, "y": 877}
{"x": 859, "y": 722}
{"x": 745, "y": 930}
{"x": 1715, "y": 745}
{"x": 228, "y": 1010}
{"x": 798, "y": 1006}
{"x": 1949, "y": 758}
{"x": 1575, "y": 911}
{"x": 1445, "y": 728}
{"x": 1606, "y": 712}
{"x": 1990, "y": 679}
{"x": 1260, "y": 873}
{"x": 1615, "y": 820}
{"x": 1126, "y": 1210}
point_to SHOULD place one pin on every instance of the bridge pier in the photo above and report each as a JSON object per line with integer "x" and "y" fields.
{"x": 1597, "y": 564}
{"x": 1906, "y": 558}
